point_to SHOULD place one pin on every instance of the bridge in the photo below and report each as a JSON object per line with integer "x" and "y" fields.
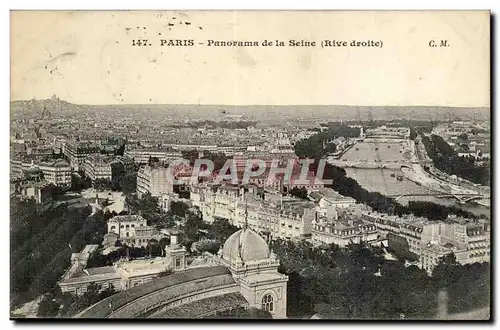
{"x": 394, "y": 165}
{"x": 461, "y": 198}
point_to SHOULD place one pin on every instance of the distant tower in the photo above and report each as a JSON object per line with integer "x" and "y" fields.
{"x": 361, "y": 133}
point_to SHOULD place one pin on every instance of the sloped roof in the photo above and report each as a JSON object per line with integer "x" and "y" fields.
{"x": 212, "y": 276}
{"x": 101, "y": 270}
{"x": 204, "y": 307}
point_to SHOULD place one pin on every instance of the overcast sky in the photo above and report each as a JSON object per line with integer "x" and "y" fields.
{"x": 88, "y": 57}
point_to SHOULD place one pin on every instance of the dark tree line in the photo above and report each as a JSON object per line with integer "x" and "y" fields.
{"x": 79, "y": 182}
{"x": 218, "y": 158}
{"x": 152, "y": 249}
{"x": 195, "y": 229}
{"x": 468, "y": 286}
{"x": 312, "y": 147}
{"x": 420, "y": 125}
{"x": 413, "y": 134}
{"x": 446, "y": 159}
{"x": 220, "y": 230}
{"x": 123, "y": 179}
{"x": 358, "y": 283}
{"x": 66, "y": 305}
{"x": 299, "y": 192}
{"x": 148, "y": 207}
{"x": 349, "y": 187}
{"x": 22, "y": 227}
{"x": 38, "y": 261}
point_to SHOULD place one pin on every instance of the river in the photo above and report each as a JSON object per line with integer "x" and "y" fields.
{"x": 385, "y": 181}
{"x": 382, "y": 181}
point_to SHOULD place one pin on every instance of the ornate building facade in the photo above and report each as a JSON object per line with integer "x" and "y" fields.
{"x": 272, "y": 214}
{"x": 243, "y": 274}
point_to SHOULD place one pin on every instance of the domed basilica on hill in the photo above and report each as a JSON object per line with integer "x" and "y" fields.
{"x": 244, "y": 273}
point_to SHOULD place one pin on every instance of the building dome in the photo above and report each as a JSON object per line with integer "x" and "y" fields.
{"x": 245, "y": 245}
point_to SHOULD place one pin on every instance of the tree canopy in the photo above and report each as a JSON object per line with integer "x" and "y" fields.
{"x": 38, "y": 261}
{"x": 312, "y": 147}
{"x": 299, "y": 192}
{"x": 446, "y": 159}
{"x": 357, "y": 282}
{"x": 347, "y": 186}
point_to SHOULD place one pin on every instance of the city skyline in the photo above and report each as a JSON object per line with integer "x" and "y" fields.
{"x": 250, "y": 105}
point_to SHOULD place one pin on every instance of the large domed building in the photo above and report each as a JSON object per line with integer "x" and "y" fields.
{"x": 244, "y": 273}
{"x": 255, "y": 269}
{"x": 245, "y": 245}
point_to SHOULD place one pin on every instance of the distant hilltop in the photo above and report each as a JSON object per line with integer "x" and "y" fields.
{"x": 259, "y": 112}
{"x": 52, "y": 105}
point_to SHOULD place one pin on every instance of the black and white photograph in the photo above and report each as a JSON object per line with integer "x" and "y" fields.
{"x": 260, "y": 165}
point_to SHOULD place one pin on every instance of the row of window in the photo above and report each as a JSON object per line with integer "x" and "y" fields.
{"x": 479, "y": 254}
{"x": 127, "y": 226}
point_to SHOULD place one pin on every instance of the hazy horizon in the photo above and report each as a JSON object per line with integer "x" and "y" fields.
{"x": 251, "y": 105}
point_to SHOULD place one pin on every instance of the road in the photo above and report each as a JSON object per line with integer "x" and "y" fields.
{"x": 456, "y": 185}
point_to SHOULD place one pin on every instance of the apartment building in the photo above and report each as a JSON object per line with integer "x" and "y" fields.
{"x": 469, "y": 242}
{"x": 76, "y": 152}
{"x": 125, "y": 225}
{"x": 328, "y": 199}
{"x": 16, "y": 168}
{"x": 187, "y": 147}
{"x": 142, "y": 155}
{"x": 98, "y": 166}
{"x": 155, "y": 180}
{"x": 165, "y": 201}
{"x": 431, "y": 240}
{"x": 144, "y": 235}
{"x": 343, "y": 233}
{"x": 20, "y": 163}
{"x": 56, "y": 172}
{"x": 271, "y": 215}
{"x": 272, "y": 179}
{"x": 39, "y": 150}
{"x": 343, "y": 227}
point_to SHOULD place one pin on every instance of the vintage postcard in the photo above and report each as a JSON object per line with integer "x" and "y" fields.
{"x": 250, "y": 164}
